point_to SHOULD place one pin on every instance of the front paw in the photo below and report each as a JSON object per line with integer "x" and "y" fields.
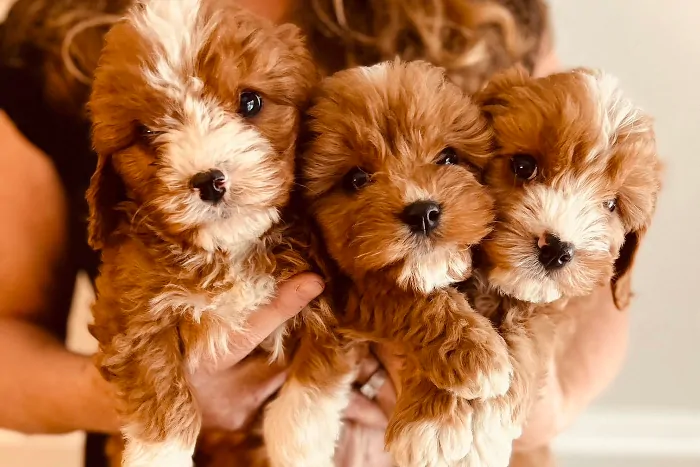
{"x": 444, "y": 440}
{"x": 494, "y": 433}
{"x": 488, "y": 371}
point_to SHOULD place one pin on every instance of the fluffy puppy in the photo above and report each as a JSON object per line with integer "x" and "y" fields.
{"x": 575, "y": 177}
{"x": 389, "y": 176}
{"x": 196, "y": 108}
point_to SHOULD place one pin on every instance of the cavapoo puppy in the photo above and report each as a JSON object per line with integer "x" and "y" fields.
{"x": 390, "y": 175}
{"x": 575, "y": 177}
{"x": 195, "y": 108}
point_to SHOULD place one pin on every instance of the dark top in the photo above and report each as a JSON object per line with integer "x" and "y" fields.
{"x": 66, "y": 141}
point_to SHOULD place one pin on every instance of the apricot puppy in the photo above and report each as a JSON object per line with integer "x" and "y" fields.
{"x": 389, "y": 175}
{"x": 575, "y": 177}
{"x": 196, "y": 108}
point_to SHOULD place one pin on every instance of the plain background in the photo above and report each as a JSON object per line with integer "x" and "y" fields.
{"x": 650, "y": 417}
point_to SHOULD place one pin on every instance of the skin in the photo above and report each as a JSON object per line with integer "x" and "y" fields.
{"x": 47, "y": 389}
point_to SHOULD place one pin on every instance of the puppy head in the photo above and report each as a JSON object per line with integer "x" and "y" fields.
{"x": 196, "y": 107}
{"x": 575, "y": 177}
{"x": 389, "y": 171}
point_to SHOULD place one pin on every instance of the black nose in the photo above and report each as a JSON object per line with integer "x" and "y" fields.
{"x": 422, "y": 216}
{"x": 555, "y": 254}
{"x": 211, "y": 185}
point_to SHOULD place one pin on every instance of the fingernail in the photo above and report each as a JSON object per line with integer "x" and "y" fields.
{"x": 311, "y": 289}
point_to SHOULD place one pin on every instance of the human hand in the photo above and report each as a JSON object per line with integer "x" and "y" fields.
{"x": 592, "y": 344}
{"x": 362, "y": 440}
{"x": 231, "y": 391}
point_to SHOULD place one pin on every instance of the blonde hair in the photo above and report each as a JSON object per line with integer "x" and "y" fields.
{"x": 59, "y": 43}
{"x": 471, "y": 39}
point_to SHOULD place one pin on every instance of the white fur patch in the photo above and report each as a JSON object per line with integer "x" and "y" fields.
{"x": 435, "y": 269}
{"x": 433, "y": 443}
{"x": 302, "y": 425}
{"x": 494, "y": 434}
{"x": 169, "y": 453}
{"x": 572, "y": 213}
{"x": 232, "y": 308}
{"x": 615, "y": 111}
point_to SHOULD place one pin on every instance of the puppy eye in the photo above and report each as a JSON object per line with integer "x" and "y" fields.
{"x": 146, "y": 134}
{"x": 610, "y": 204}
{"x": 355, "y": 179}
{"x": 448, "y": 156}
{"x": 251, "y": 104}
{"x": 524, "y": 166}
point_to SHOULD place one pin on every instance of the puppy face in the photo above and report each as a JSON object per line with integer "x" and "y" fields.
{"x": 389, "y": 172}
{"x": 196, "y": 108}
{"x": 575, "y": 177}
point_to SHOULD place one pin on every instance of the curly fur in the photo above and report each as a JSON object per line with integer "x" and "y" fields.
{"x": 394, "y": 120}
{"x": 178, "y": 274}
{"x": 591, "y": 144}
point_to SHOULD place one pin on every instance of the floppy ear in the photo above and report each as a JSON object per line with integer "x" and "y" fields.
{"x": 105, "y": 192}
{"x": 621, "y": 283}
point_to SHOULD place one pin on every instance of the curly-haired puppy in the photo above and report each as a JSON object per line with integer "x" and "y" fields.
{"x": 388, "y": 172}
{"x": 575, "y": 177}
{"x": 196, "y": 108}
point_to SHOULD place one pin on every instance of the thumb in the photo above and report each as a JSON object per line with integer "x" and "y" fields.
{"x": 292, "y": 296}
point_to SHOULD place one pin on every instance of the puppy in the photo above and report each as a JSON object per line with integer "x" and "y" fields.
{"x": 196, "y": 108}
{"x": 389, "y": 175}
{"x": 575, "y": 178}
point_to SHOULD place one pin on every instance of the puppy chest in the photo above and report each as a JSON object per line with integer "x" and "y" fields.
{"x": 232, "y": 300}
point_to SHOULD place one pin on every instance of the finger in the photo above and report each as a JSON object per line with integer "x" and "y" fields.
{"x": 365, "y": 412}
{"x": 368, "y": 366}
{"x": 259, "y": 380}
{"x": 292, "y": 296}
{"x": 392, "y": 362}
{"x": 386, "y": 398}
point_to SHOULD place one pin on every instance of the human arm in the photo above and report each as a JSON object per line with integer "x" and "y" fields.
{"x": 45, "y": 388}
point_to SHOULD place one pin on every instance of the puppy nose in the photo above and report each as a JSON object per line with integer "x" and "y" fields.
{"x": 554, "y": 254}
{"x": 422, "y": 216}
{"x": 211, "y": 185}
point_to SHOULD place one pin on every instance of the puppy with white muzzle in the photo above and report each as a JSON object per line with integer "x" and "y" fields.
{"x": 389, "y": 174}
{"x": 195, "y": 108}
{"x": 575, "y": 177}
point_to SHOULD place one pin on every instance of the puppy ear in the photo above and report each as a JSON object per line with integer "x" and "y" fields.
{"x": 621, "y": 282}
{"x": 492, "y": 96}
{"x": 105, "y": 192}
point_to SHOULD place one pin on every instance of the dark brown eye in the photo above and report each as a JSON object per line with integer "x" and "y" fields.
{"x": 145, "y": 133}
{"x": 251, "y": 104}
{"x": 355, "y": 179}
{"x": 610, "y": 204}
{"x": 448, "y": 156}
{"x": 524, "y": 166}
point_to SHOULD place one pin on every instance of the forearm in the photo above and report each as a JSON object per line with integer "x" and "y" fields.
{"x": 47, "y": 389}
{"x": 587, "y": 362}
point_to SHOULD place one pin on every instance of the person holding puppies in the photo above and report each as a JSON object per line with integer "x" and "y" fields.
{"x": 50, "y": 390}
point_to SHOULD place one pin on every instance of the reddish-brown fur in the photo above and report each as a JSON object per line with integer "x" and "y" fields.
{"x": 394, "y": 121}
{"x": 145, "y": 350}
{"x": 557, "y": 120}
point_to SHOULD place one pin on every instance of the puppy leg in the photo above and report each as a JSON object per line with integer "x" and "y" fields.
{"x": 499, "y": 421}
{"x": 160, "y": 416}
{"x": 302, "y": 425}
{"x": 460, "y": 350}
{"x": 430, "y": 427}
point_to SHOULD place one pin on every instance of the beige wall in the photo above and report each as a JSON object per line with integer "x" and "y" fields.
{"x": 653, "y": 46}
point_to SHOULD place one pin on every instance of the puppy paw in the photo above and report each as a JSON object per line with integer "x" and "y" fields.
{"x": 301, "y": 426}
{"x": 139, "y": 453}
{"x": 494, "y": 433}
{"x": 443, "y": 441}
{"x": 489, "y": 372}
